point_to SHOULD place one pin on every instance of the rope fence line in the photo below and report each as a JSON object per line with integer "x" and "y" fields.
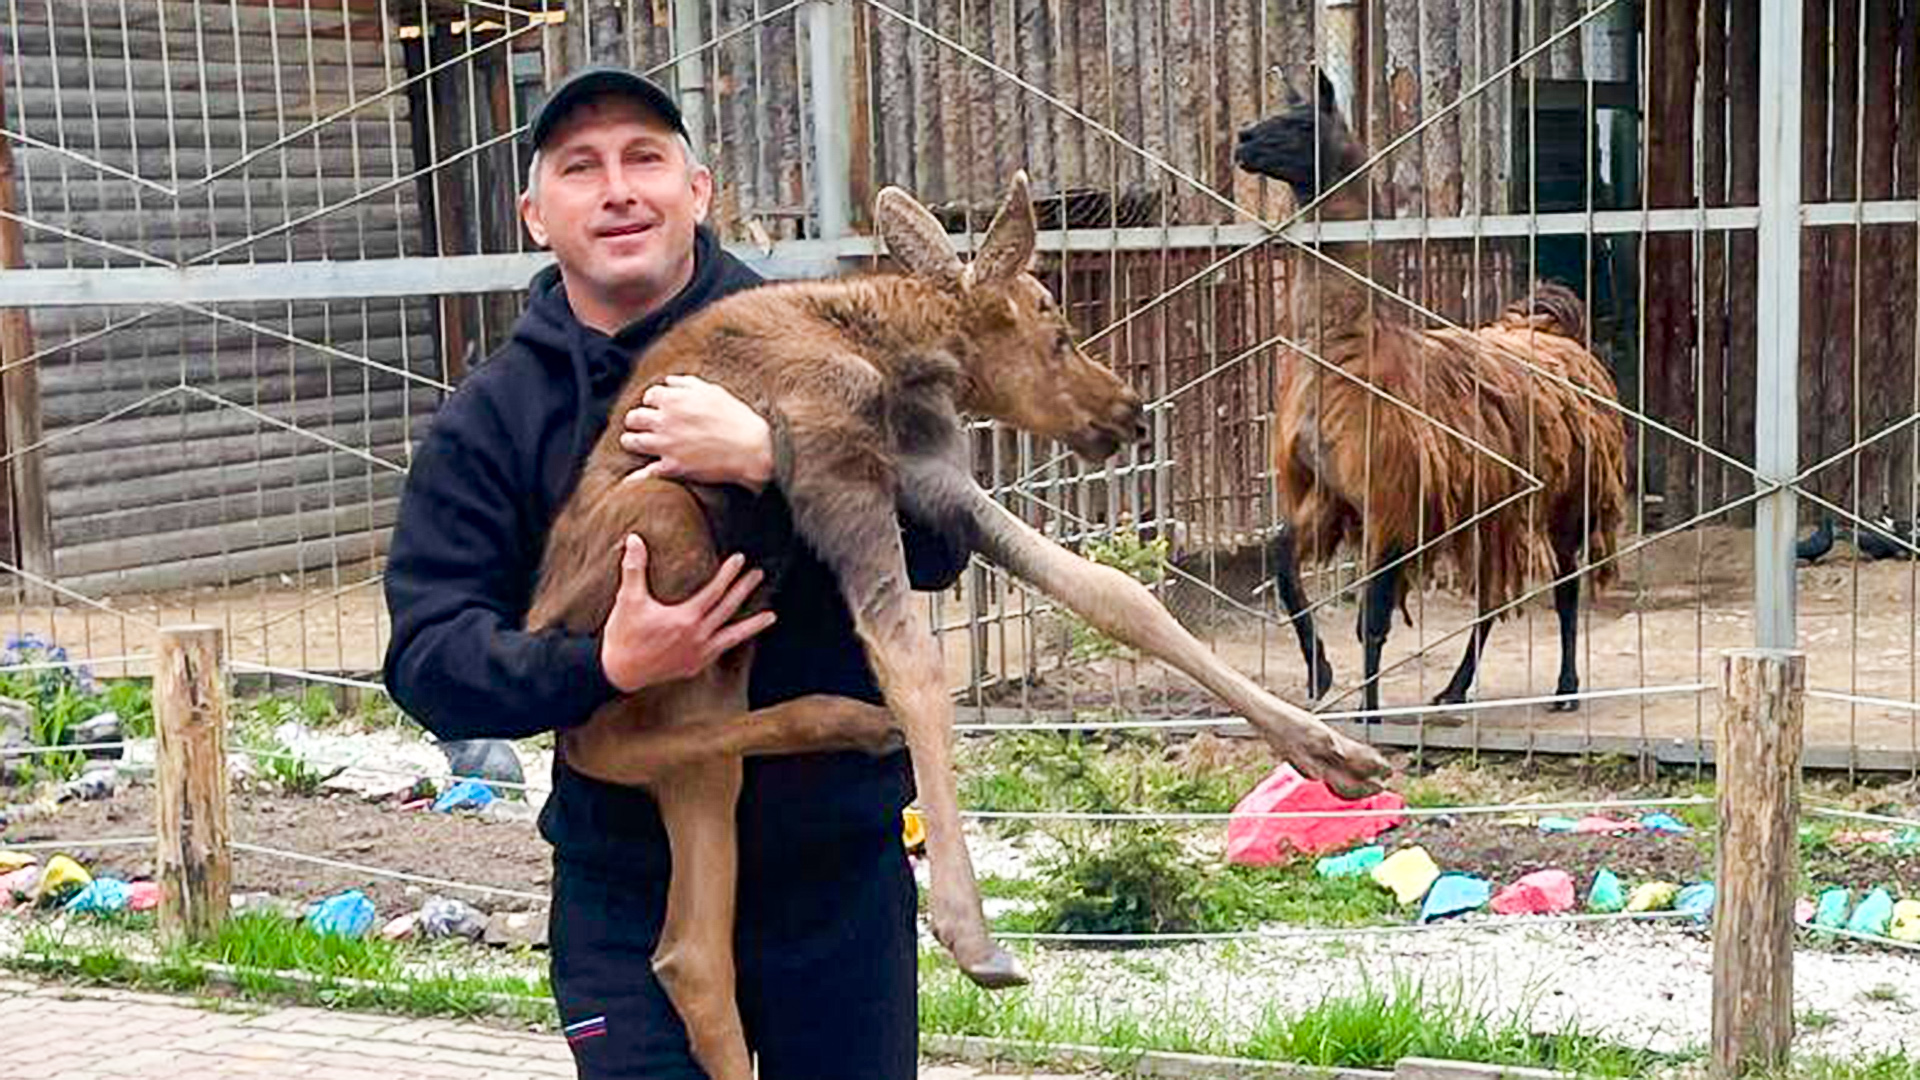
{"x": 53, "y": 845}
{"x": 1393, "y": 930}
{"x": 1354, "y": 714}
{"x": 1861, "y": 815}
{"x": 1318, "y": 815}
{"x": 396, "y": 875}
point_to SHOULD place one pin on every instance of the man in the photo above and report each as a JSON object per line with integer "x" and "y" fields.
{"x": 827, "y": 957}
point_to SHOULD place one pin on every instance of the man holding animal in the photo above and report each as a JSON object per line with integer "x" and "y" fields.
{"x": 827, "y": 902}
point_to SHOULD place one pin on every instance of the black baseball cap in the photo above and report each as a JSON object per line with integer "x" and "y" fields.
{"x": 598, "y": 82}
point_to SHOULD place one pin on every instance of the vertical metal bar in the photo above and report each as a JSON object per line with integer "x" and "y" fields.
{"x": 829, "y": 41}
{"x": 1776, "y": 418}
{"x": 690, "y": 73}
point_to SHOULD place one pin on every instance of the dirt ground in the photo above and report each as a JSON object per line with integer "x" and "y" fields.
{"x": 502, "y": 854}
{"x": 1677, "y": 604}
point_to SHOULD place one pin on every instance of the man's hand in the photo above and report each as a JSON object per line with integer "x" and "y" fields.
{"x": 699, "y": 432}
{"x": 646, "y": 642}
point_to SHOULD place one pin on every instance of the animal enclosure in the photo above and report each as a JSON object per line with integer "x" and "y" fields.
{"x": 249, "y": 246}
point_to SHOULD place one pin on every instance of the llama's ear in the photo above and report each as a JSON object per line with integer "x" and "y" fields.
{"x": 1328, "y": 102}
{"x": 1008, "y": 249}
{"x": 915, "y": 238}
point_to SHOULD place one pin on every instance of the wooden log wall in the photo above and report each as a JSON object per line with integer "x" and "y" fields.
{"x": 1861, "y": 139}
{"x": 182, "y": 492}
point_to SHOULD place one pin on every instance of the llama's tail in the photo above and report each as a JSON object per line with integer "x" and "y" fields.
{"x": 1566, "y": 315}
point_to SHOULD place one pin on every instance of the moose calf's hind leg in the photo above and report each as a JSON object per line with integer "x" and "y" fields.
{"x": 694, "y": 960}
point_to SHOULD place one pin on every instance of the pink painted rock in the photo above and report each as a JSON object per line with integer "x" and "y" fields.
{"x": 1599, "y": 823}
{"x": 143, "y": 896}
{"x": 1543, "y": 892}
{"x": 1803, "y": 911}
{"x": 1254, "y": 840}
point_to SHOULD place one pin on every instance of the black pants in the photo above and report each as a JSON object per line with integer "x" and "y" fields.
{"x": 826, "y": 964}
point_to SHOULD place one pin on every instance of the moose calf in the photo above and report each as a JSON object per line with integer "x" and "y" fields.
{"x": 862, "y": 381}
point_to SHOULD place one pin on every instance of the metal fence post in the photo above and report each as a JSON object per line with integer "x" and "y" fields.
{"x": 1776, "y": 416}
{"x": 829, "y": 51}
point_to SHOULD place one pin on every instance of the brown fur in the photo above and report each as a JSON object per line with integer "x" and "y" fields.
{"x": 862, "y": 382}
{"x": 1361, "y": 445}
{"x": 1345, "y": 454}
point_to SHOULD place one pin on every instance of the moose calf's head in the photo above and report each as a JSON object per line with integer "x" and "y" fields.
{"x": 1019, "y": 362}
{"x": 1305, "y": 144}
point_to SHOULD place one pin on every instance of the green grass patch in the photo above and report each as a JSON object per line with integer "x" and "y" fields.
{"x": 274, "y": 959}
{"x": 1368, "y": 1027}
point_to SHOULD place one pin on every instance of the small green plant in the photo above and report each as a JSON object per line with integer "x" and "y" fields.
{"x": 254, "y": 732}
{"x": 1143, "y": 560}
{"x": 1141, "y": 883}
{"x": 1816, "y": 1020}
{"x": 1884, "y": 993}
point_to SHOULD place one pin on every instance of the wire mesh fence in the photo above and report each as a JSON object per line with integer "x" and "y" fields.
{"x": 250, "y": 247}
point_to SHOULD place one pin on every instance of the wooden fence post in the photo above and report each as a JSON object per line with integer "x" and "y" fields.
{"x": 1757, "y": 759}
{"x": 194, "y": 861}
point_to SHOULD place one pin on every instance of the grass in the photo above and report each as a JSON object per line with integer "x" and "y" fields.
{"x": 272, "y": 958}
{"x": 1368, "y": 1027}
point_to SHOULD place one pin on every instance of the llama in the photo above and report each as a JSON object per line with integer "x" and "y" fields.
{"x": 862, "y": 381}
{"x": 1413, "y": 481}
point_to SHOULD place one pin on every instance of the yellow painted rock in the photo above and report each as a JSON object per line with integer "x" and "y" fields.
{"x": 1409, "y": 872}
{"x": 1906, "y": 921}
{"x": 913, "y": 829}
{"x": 63, "y": 878}
{"x": 1652, "y": 896}
{"x": 15, "y": 860}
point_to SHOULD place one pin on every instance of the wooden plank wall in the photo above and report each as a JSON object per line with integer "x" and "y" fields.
{"x": 182, "y": 492}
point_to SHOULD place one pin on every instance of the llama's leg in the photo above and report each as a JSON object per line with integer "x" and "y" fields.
{"x": 1375, "y": 622}
{"x": 1462, "y": 681}
{"x": 1566, "y": 605}
{"x": 694, "y": 960}
{"x": 854, "y": 528}
{"x": 1286, "y": 580}
{"x": 1119, "y": 606}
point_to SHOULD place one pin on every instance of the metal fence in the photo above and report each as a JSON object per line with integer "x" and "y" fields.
{"x": 249, "y": 246}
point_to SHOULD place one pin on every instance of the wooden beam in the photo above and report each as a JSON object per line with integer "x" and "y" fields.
{"x": 194, "y": 857}
{"x": 30, "y": 525}
{"x": 1762, "y": 704}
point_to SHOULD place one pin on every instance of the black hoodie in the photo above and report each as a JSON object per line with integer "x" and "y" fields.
{"x": 494, "y": 468}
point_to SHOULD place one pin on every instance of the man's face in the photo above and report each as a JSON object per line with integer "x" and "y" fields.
{"x": 617, "y": 203}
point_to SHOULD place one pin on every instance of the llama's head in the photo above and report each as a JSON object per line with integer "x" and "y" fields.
{"x": 1020, "y": 363}
{"x": 1306, "y": 144}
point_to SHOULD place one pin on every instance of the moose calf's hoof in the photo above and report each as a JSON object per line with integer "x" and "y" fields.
{"x": 998, "y": 971}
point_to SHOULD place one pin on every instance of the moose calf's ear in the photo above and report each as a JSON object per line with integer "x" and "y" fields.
{"x": 1008, "y": 250}
{"x": 915, "y": 238}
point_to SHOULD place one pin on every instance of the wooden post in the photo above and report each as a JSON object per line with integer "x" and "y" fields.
{"x": 1757, "y": 757}
{"x": 32, "y": 523}
{"x": 194, "y": 860}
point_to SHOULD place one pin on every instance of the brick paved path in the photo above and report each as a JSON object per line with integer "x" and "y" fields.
{"x": 77, "y": 1033}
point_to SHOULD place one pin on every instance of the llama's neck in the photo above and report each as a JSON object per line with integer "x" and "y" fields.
{"x": 1332, "y": 302}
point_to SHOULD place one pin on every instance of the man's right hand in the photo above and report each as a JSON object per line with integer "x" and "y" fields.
{"x": 646, "y": 642}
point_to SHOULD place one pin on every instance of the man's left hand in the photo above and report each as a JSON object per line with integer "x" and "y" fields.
{"x": 699, "y": 432}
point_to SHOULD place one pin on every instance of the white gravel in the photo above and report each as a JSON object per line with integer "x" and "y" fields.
{"x": 1642, "y": 984}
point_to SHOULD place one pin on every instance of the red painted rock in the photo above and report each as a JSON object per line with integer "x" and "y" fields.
{"x": 1543, "y": 892}
{"x": 143, "y": 896}
{"x": 1254, "y": 840}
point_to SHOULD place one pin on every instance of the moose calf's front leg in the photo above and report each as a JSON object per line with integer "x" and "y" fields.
{"x": 853, "y": 525}
{"x": 1122, "y": 608}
